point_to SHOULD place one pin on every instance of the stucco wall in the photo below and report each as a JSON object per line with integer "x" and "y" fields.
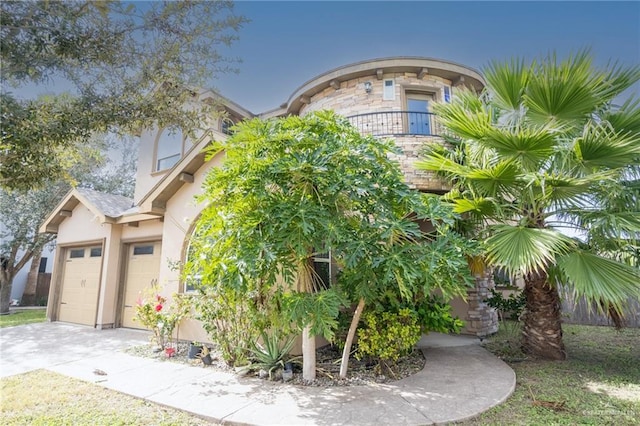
{"x": 146, "y": 177}
{"x": 83, "y": 225}
{"x": 181, "y": 211}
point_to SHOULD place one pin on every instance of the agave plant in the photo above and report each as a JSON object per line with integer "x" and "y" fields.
{"x": 272, "y": 353}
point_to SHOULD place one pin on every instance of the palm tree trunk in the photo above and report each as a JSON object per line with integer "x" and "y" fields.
{"x": 542, "y": 329}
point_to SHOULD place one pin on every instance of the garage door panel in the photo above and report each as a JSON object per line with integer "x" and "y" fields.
{"x": 80, "y": 285}
{"x": 143, "y": 268}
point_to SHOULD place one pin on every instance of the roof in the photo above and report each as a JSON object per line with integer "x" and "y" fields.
{"x": 377, "y": 67}
{"x": 110, "y": 205}
{"x": 107, "y": 207}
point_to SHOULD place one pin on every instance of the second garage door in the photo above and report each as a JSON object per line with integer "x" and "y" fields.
{"x": 143, "y": 267}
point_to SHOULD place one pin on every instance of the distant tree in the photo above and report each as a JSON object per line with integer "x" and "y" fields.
{"x": 22, "y": 212}
{"x": 543, "y": 150}
{"x": 112, "y": 55}
{"x": 294, "y": 189}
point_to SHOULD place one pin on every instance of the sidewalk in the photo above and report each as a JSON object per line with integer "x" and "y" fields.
{"x": 460, "y": 380}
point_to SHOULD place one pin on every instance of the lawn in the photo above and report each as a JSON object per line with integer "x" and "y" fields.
{"x": 20, "y": 317}
{"x": 45, "y": 398}
{"x": 598, "y": 385}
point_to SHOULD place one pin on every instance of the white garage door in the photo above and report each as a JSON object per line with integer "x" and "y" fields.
{"x": 80, "y": 285}
{"x": 143, "y": 267}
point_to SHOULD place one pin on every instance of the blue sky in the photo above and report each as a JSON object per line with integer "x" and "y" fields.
{"x": 288, "y": 43}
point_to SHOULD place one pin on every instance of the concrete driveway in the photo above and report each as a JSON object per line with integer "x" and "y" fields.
{"x": 46, "y": 345}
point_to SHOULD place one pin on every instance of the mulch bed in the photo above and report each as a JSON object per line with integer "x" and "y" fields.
{"x": 361, "y": 372}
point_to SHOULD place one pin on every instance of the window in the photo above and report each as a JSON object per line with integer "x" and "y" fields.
{"x": 96, "y": 252}
{"x": 169, "y": 148}
{"x": 142, "y": 250}
{"x": 76, "y": 253}
{"x": 418, "y": 120}
{"x": 42, "y": 268}
{"x": 195, "y": 240}
{"x": 324, "y": 270}
{"x": 447, "y": 94}
{"x": 389, "y": 91}
{"x": 225, "y": 126}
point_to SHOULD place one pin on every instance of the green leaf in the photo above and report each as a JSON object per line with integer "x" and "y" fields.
{"x": 600, "y": 279}
{"x": 521, "y": 249}
{"x": 507, "y": 82}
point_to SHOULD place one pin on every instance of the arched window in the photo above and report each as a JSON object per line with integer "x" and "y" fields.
{"x": 225, "y": 125}
{"x": 169, "y": 148}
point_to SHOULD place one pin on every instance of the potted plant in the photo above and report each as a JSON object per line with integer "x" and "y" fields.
{"x": 205, "y": 356}
{"x": 194, "y": 349}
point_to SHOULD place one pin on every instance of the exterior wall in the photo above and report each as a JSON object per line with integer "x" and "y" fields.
{"x": 109, "y": 279}
{"x": 82, "y": 226}
{"x": 411, "y": 147}
{"x": 351, "y": 99}
{"x": 181, "y": 211}
{"x": 146, "y": 177}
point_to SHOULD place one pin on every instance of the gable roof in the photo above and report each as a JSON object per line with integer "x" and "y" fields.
{"x": 107, "y": 207}
{"x": 110, "y": 205}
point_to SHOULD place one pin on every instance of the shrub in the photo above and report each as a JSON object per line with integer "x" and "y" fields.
{"x": 153, "y": 313}
{"x": 387, "y": 336}
{"x": 508, "y": 307}
{"x": 434, "y": 314}
{"x": 231, "y": 322}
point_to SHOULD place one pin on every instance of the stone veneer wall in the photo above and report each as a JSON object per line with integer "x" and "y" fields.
{"x": 351, "y": 99}
{"x": 482, "y": 320}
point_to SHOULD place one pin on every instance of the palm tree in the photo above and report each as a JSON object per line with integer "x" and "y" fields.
{"x": 541, "y": 151}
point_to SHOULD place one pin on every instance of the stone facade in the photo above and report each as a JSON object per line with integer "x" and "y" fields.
{"x": 350, "y": 98}
{"x": 481, "y": 320}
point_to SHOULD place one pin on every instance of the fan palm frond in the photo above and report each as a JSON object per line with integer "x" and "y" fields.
{"x": 521, "y": 249}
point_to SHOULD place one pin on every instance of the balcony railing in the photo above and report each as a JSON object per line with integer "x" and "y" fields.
{"x": 396, "y": 123}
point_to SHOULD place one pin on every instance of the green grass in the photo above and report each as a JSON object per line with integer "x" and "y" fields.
{"x": 20, "y": 317}
{"x": 45, "y": 398}
{"x": 599, "y": 384}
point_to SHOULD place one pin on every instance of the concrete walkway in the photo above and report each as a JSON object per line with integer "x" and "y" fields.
{"x": 460, "y": 380}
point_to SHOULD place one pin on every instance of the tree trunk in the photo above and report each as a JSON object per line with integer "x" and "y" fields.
{"x": 542, "y": 328}
{"x": 344, "y": 365}
{"x": 308, "y": 355}
{"x": 6, "y": 282}
{"x": 305, "y": 284}
{"x": 29, "y": 295}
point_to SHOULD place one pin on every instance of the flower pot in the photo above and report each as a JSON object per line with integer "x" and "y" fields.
{"x": 194, "y": 351}
{"x": 206, "y": 360}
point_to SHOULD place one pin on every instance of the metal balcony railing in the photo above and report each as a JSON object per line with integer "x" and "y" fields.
{"x": 396, "y": 123}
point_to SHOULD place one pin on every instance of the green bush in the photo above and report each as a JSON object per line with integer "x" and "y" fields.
{"x": 508, "y": 307}
{"x": 434, "y": 314}
{"x": 231, "y": 322}
{"x": 387, "y": 336}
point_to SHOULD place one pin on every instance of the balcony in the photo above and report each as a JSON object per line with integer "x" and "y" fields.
{"x": 396, "y": 123}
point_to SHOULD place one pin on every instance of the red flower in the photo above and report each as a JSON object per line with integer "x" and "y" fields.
{"x": 158, "y": 307}
{"x": 170, "y": 352}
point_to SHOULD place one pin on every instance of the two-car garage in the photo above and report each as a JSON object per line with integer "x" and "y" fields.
{"x": 80, "y": 282}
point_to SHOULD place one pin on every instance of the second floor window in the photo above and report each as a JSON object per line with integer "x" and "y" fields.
{"x": 169, "y": 149}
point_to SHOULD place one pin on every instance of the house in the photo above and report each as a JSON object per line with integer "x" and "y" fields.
{"x": 111, "y": 247}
